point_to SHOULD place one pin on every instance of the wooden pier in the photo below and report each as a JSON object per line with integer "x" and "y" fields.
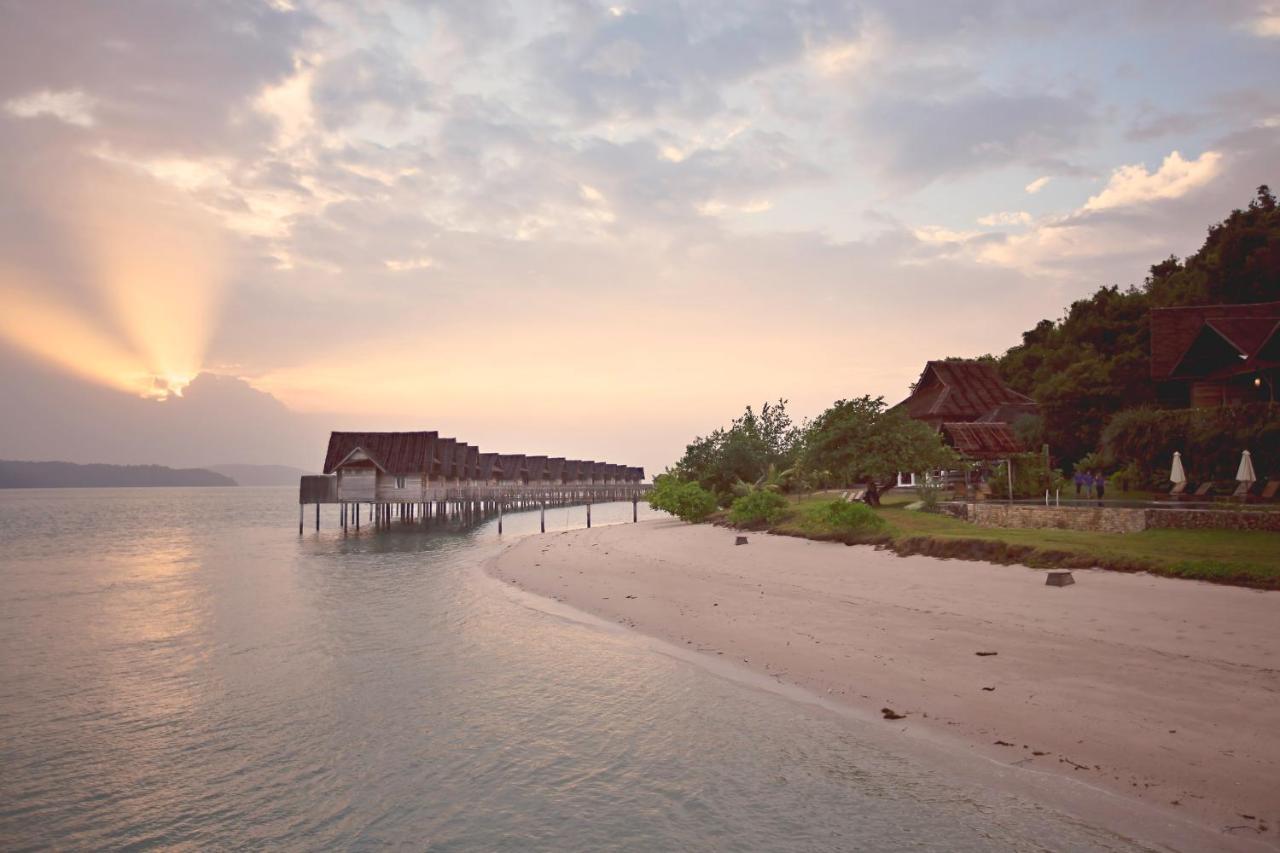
{"x": 378, "y": 478}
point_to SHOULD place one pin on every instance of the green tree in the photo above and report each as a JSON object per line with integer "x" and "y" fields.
{"x": 753, "y": 445}
{"x": 859, "y": 441}
{"x": 1095, "y": 361}
{"x": 685, "y": 500}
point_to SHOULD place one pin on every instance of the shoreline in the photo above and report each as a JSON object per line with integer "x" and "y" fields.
{"x": 1110, "y": 683}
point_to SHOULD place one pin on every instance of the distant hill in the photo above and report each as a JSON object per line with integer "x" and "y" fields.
{"x": 260, "y": 475}
{"x": 65, "y": 475}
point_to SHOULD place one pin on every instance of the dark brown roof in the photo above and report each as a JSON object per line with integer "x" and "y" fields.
{"x": 393, "y": 452}
{"x": 981, "y": 440}
{"x": 444, "y": 457}
{"x": 536, "y": 466}
{"x": 460, "y": 454}
{"x": 512, "y": 466}
{"x": 487, "y": 466}
{"x": 400, "y": 453}
{"x": 1246, "y": 328}
{"x": 961, "y": 391}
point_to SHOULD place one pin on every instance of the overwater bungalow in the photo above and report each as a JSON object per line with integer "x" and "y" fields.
{"x": 513, "y": 468}
{"x": 404, "y": 474}
{"x": 488, "y": 469}
{"x": 536, "y": 469}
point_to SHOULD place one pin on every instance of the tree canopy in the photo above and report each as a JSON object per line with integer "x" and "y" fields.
{"x": 753, "y": 444}
{"x": 861, "y": 441}
{"x": 1096, "y": 360}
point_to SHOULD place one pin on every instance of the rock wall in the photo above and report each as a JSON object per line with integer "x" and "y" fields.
{"x": 1112, "y": 519}
{"x": 1207, "y": 519}
{"x": 1103, "y": 519}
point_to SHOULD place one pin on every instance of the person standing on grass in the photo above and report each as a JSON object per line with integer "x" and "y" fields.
{"x": 1099, "y": 484}
{"x": 1079, "y": 478}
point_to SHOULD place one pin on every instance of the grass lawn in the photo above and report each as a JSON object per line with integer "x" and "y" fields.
{"x": 1244, "y": 557}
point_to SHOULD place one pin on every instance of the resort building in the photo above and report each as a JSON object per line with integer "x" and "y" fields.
{"x": 971, "y": 406}
{"x": 1215, "y": 355}
{"x": 412, "y": 467}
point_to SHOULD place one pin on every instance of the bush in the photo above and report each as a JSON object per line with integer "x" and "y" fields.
{"x": 929, "y": 495}
{"x": 1210, "y": 441}
{"x": 1030, "y": 477}
{"x": 758, "y": 507}
{"x": 847, "y": 517}
{"x": 686, "y": 501}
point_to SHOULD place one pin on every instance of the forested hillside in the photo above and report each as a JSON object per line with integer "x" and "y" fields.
{"x": 1095, "y": 361}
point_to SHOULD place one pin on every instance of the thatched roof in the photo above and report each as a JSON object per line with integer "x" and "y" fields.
{"x": 393, "y": 452}
{"x": 1200, "y": 340}
{"x": 990, "y": 440}
{"x": 963, "y": 391}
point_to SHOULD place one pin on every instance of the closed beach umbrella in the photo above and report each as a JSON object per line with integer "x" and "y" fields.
{"x": 1245, "y": 473}
{"x": 1177, "y": 475}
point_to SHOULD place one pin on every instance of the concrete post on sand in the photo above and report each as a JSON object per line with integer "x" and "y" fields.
{"x": 1059, "y": 579}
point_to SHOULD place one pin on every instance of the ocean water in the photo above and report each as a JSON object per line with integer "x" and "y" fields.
{"x": 180, "y": 669}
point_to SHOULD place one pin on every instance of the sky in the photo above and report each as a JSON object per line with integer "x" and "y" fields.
{"x": 584, "y": 229}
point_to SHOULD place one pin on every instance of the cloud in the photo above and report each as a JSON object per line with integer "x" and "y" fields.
{"x": 72, "y": 106}
{"x": 1176, "y": 177}
{"x": 1267, "y": 22}
{"x": 1140, "y": 216}
{"x": 1038, "y": 184}
{"x": 679, "y": 58}
{"x": 918, "y": 140}
{"x": 1006, "y": 217}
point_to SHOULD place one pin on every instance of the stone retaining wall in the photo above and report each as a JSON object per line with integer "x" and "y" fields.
{"x": 1205, "y": 519}
{"x": 1111, "y": 519}
{"x": 1104, "y": 519}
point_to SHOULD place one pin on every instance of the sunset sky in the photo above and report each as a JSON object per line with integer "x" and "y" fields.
{"x": 577, "y": 228}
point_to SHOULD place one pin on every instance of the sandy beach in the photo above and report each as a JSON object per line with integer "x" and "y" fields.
{"x": 1165, "y": 691}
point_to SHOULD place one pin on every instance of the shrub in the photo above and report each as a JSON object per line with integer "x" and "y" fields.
{"x": 1030, "y": 477}
{"x": 928, "y": 494}
{"x": 847, "y": 517}
{"x": 686, "y": 501}
{"x": 758, "y": 507}
{"x": 1210, "y": 441}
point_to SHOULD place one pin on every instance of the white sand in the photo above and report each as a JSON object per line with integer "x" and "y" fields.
{"x": 1163, "y": 690}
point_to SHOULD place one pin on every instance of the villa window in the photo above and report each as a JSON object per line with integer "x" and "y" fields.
{"x": 399, "y": 482}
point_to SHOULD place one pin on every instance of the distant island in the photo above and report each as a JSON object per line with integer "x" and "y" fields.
{"x": 67, "y": 475}
{"x": 260, "y": 475}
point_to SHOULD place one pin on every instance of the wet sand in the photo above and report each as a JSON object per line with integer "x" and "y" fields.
{"x": 1166, "y": 691}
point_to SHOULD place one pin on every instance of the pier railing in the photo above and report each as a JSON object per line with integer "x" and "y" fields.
{"x": 451, "y": 499}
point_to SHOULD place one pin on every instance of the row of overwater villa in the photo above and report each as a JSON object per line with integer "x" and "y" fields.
{"x": 420, "y": 476}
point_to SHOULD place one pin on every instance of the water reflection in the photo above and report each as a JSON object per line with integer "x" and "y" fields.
{"x": 180, "y": 669}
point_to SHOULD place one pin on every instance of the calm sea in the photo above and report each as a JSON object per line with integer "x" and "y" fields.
{"x": 179, "y": 669}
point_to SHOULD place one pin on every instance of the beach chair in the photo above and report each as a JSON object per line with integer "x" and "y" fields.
{"x": 1242, "y": 492}
{"x": 1204, "y": 492}
{"x": 1269, "y": 491}
{"x": 1177, "y": 490}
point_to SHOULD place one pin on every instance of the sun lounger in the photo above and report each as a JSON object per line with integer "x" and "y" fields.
{"x": 1242, "y": 491}
{"x": 1269, "y": 491}
{"x": 1205, "y": 490}
{"x": 1178, "y": 489}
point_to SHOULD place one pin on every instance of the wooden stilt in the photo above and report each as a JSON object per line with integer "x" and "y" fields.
{"x": 317, "y": 516}
{"x": 544, "y": 515}
{"x": 301, "y": 509}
